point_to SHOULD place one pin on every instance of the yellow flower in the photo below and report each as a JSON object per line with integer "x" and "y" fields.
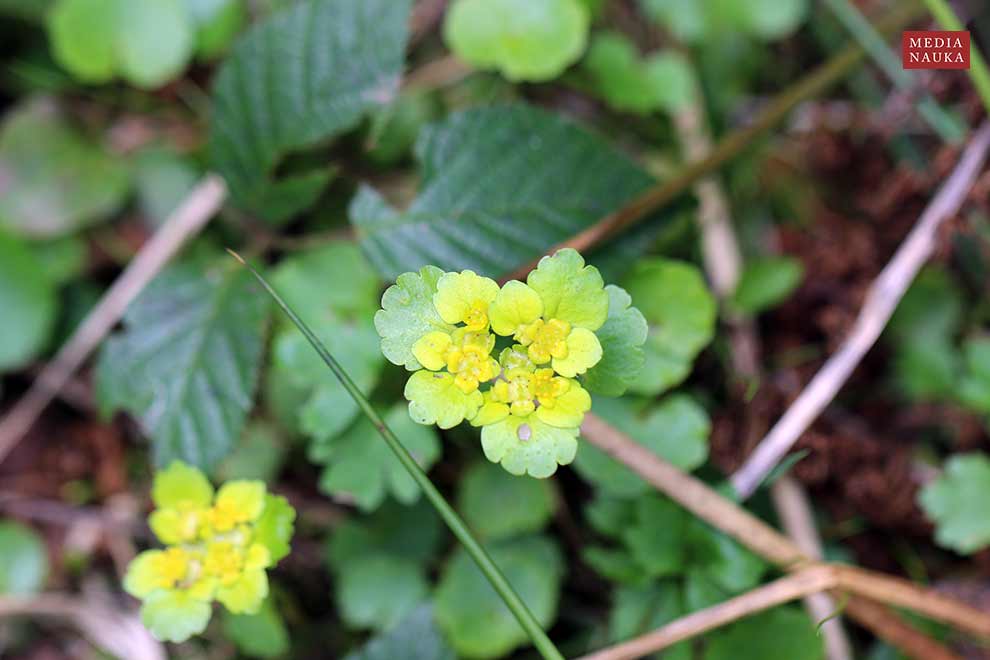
{"x": 237, "y": 503}
{"x": 464, "y": 298}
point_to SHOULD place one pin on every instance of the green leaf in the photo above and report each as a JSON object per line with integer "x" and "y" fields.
{"x": 522, "y": 39}
{"x": 259, "y": 454}
{"x": 974, "y": 389}
{"x": 956, "y": 502}
{"x": 30, "y": 10}
{"x": 274, "y": 529}
{"x": 681, "y": 313}
{"x": 174, "y": 615}
{"x": 615, "y": 565}
{"x": 407, "y": 314}
{"x": 54, "y": 181}
{"x": 186, "y": 363}
{"x": 931, "y": 309}
{"x": 608, "y": 515}
{"x": 783, "y": 632}
{"x": 696, "y": 20}
{"x": 500, "y": 186}
{"x": 767, "y": 282}
{"x": 146, "y": 43}
{"x": 28, "y": 300}
{"x": 472, "y": 615}
{"x": 360, "y": 465}
{"x": 163, "y": 178}
{"x": 23, "y": 560}
{"x": 330, "y": 283}
{"x": 414, "y": 638}
{"x": 217, "y": 22}
{"x": 378, "y": 591}
{"x": 657, "y": 539}
{"x": 662, "y": 81}
{"x": 930, "y": 370}
{"x": 622, "y": 338}
{"x": 261, "y": 635}
{"x": 413, "y": 532}
{"x": 300, "y": 77}
{"x": 637, "y": 610}
{"x": 676, "y": 430}
{"x": 498, "y": 505}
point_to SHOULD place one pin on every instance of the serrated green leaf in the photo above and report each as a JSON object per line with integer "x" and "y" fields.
{"x": 767, "y": 282}
{"x": 23, "y": 560}
{"x": 783, "y": 632}
{"x": 628, "y": 82}
{"x": 676, "y": 430}
{"x": 260, "y": 635}
{"x": 956, "y": 502}
{"x": 28, "y": 300}
{"x": 524, "y": 40}
{"x": 497, "y": 505}
{"x": 146, "y": 43}
{"x": 54, "y": 181}
{"x": 378, "y": 591}
{"x": 413, "y": 532}
{"x": 407, "y": 314}
{"x": 360, "y": 466}
{"x": 472, "y": 615}
{"x": 414, "y": 638}
{"x": 301, "y": 76}
{"x": 186, "y": 363}
{"x": 500, "y": 186}
{"x": 681, "y": 313}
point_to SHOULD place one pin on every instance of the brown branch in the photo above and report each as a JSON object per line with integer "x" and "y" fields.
{"x": 658, "y": 196}
{"x": 807, "y": 581}
{"x": 881, "y": 300}
{"x": 895, "y": 632}
{"x": 186, "y": 221}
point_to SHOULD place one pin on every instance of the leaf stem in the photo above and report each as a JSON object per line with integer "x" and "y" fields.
{"x": 501, "y": 585}
{"x": 977, "y": 71}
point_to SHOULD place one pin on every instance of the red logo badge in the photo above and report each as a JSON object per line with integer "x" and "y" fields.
{"x": 935, "y": 49}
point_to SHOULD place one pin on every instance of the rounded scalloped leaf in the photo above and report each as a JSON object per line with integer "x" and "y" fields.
{"x": 956, "y": 502}
{"x": 622, "y": 338}
{"x": 246, "y": 594}
{"x": 378, "y": 590}
{"x": 407, "y": 314}
{"x": 498, "y": 505}
{"x": 570, "y": 291}
{"x": 523, "y": 39}
{"x": 528, "y": 445}
{"x": 23, "y": 559}
{"x": 180, "y": 485}
{"x": 583, "y": 352}
{"x": 174, "y": 616}
{"x": 274, "y": 528}
{"x": 434, "y": 398}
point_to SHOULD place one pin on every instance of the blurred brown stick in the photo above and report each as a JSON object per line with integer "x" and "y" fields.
{"x": 881, "y": 300}
{"x": 186, "y": 221}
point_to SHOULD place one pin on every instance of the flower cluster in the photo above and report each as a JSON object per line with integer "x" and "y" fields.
{"x": 506, "y": 358}
{"x": 218, "y": 547}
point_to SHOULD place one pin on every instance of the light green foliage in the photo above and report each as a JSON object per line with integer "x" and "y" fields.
{"x": 783, "y": 632}
{"x": 974, "y": 388}
{"x": 217, "y": 22}
{"x": 469, "y": 611}
{"x": 498, "y": 185}
{"x": 628, "y": 82}
{"x": 62, "y": 259}
{"x": 676, "y": 430}
{"x": 681, "y": 313}
{"x": 259, "y": 635}
{"x": 407, "y": 314}
{"x": 360, "y": 466}
{"x": 327, "y": 63}
{"x": 622, "y": 337}
{"x": 531, "y": 40}
{"x": 23, "y": 560}
{"x": 698, "y": 20}
{"x": 497, "y": 505}
{"x": 53, "y": 180}
{"x": 186, "y": 363}
{"x": 767, "y": 282}
{"x": 219, "y": 546}
{"x": 414, "y": 638}
{"x": 956, "y": 502}
{"x": 147, "y": 43}
{"x": 28, "y": 301}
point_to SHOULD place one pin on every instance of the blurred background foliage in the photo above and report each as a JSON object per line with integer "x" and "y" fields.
{"x": 364, "y": 138}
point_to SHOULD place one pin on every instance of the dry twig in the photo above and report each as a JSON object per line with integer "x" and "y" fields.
{"x": 186, "y": 221}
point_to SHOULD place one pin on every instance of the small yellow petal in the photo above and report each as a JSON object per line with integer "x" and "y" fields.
{"x": 464, "y": 298}
{"x": 568, "y": 409}
{"x": 516, "y": 305}
{"x": 431, "y": 350}
{"x": 583, "y": 352}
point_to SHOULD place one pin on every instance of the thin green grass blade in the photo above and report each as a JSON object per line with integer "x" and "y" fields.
{"x": 454, "y": 521}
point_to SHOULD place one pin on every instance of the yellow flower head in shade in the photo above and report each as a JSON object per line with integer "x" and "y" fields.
{"x": 218, "y": 547}
{"x": 446, "y": 327}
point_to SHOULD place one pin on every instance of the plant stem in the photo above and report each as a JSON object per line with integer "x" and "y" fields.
{"x": 949, "y": 127}
{"x": 977, "y": 71}
{"x": 454, "y": 521}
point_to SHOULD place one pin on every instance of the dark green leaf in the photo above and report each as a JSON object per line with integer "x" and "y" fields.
{"x": 767, "y": 282}
{"x": 378, "y": 591}
{"x": 186, "y": 363}
{"x": 413, "y": 532}
{"x": 783, "y": 632}
{"x": 261, "y": 635}
{"x": 28, "y": 301}
{"x": 498, "y": 505}
{"x": 638, "y": 610}
{"x": 414, "y": 638}
{"x": 622, "y": 339}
